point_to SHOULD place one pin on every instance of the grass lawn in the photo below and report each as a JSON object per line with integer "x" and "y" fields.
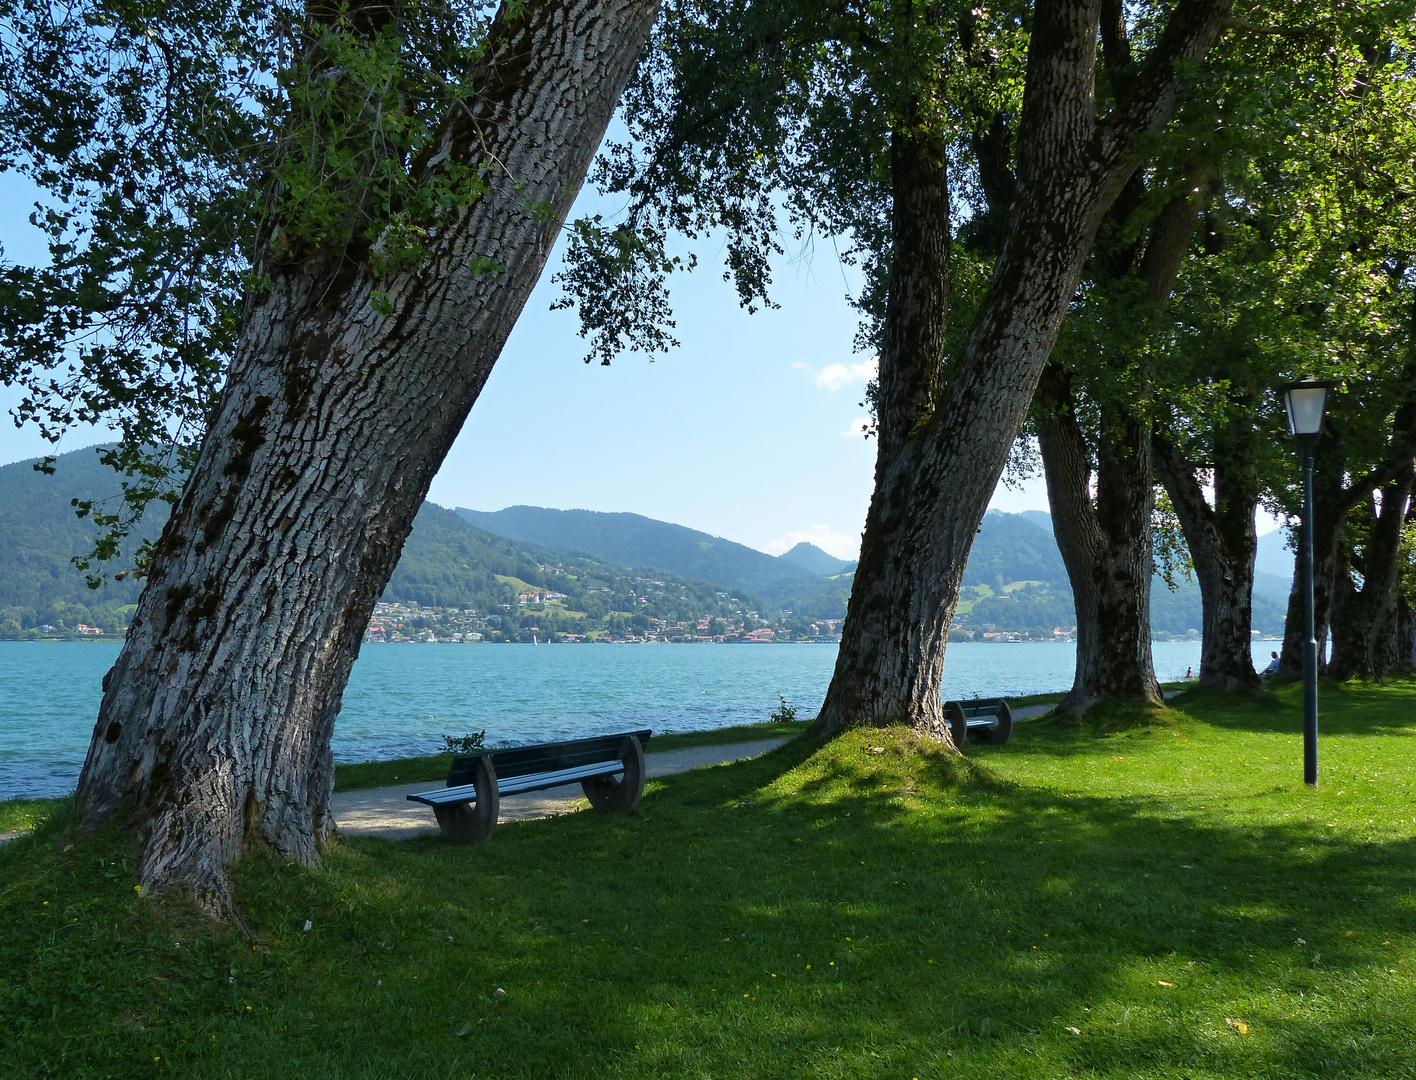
{"x": 1156, "y": 901}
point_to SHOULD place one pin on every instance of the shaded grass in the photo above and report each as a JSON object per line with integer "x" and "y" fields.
{"x": 371, "y": 774}
{"x": 868, "y": 909}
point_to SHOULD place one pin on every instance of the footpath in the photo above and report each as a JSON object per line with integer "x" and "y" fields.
{"x": 386, "y": 812}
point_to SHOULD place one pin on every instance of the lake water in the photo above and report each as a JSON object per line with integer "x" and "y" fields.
{"x": 402, "y": 698}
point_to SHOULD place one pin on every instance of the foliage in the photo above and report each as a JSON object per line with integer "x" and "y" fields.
{"x": 766, "y": 125}
{"x": 1304, "y": 260}
{"x": 783, "y": 713}
{"x": 183, "y": 154}
{"x": 465, "y": 744}
{"x": 1112, "y": 905}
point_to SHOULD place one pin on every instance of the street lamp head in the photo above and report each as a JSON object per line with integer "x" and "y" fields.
{"x": 1306, "y": 402}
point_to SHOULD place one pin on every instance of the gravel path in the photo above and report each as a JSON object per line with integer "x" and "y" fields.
{"x": 387, "y": 813}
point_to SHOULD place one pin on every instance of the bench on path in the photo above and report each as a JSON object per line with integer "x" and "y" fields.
{"x": 610, "y": 769}
{"x": 980, "y": 720}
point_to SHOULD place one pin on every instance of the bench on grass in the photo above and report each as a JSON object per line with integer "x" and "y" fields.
{"x": 980, "y": 720}
{"x": 610, "y": 769}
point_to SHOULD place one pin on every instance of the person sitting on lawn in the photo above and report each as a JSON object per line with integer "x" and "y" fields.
{"x": 1272, "y": 670}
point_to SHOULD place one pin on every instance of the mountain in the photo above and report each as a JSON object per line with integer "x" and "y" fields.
{"x": 1275, "y": 556}
{"x": 1041, "y": 518}
{"x": 40, "y": 534}
{"x": 1015, "y": 579}
{"x": 447, "y": 562}
{"x": 1011, "y": 547}
{"x": 609, "y": 569}
{"x": 815, "y": 561}
{"x": 634, "y": 540}
{"x": 450, "y": 563}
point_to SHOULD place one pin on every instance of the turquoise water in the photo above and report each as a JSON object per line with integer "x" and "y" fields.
{"x": 402, "y": 698}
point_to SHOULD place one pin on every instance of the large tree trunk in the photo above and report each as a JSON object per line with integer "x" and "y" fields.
{"x": 933, "y": 494}
{"x": 1404, "y": 640}
{"x": 214, "y": 731}
{"x": 911, "y": 355}
{"x": 1105, "y": 541}
{"x": 1364, "y": 624}
{"x": 1223, "y": 543}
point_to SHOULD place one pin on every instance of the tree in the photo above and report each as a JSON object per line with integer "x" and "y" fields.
{"x": 1071, "y": 166}
{"x": 395, "y": 252}
{"x": 854, "y": 116}
{"x": 1104, "y": 530}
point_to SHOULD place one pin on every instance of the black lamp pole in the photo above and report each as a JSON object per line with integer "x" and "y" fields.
{"x": 1310, "y": 643}
{"x": 1306, "y": 404}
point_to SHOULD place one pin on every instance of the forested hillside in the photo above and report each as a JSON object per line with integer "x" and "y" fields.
{"x": 634, "y": 540}
{"x": 1015, "y": 581}
{"x": 40, "y": 535}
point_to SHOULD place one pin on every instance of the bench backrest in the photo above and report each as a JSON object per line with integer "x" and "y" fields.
{"x": 545, "y": 757}
{"x": 978, "y": 706}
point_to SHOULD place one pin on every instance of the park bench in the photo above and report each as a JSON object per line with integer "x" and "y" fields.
{"x": 980, "y": 720}
{"x": 610, "y": 769}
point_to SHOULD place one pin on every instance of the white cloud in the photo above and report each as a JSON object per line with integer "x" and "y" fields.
{"x": 843, "y": 547}
{"x": 834, "y": 376}
{"x": 858, "y": 428}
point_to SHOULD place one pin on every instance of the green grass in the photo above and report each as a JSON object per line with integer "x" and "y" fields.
{"x": 1094, "y": 901}
{"x": 17, "y": 815}
{"x": 728, "y": 735}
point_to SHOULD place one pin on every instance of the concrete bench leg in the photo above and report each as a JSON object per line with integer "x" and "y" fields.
{"x": 958, "y": 725}
{"x": 608, "y": 793}
{"x": 997, "y": 735}
{"x": 465, "y": 823}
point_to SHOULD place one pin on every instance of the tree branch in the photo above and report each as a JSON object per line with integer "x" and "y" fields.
{"x": 1161, "y": 82}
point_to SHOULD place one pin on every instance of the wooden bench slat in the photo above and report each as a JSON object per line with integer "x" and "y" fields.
{"x": 514, "y": 785}
{"x": 524, "y": 760}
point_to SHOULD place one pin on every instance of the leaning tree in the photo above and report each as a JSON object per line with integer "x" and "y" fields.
{"x": 864, "y": 116}
{"x": 418, "y": 163}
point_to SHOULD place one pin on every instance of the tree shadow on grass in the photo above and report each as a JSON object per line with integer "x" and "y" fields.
{"x": 873, "y": 908}
{"x": 942, "y": 913}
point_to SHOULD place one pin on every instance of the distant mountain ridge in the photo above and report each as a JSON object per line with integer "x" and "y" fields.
{"x": 1015, "y": 577}
{"x": 813, "y": 560}
{"x": 635, "y": 540}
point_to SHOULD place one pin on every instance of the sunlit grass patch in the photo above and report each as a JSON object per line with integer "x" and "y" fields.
{"x": 22, "y": 815}
{"x": 1162, "y": 900}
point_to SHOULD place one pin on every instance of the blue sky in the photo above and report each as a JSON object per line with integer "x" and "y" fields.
{"x": 749, "y": 430}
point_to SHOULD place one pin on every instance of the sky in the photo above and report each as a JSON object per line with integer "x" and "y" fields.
{"x": 750, "y": 430}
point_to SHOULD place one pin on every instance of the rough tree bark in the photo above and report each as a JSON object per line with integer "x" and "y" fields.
{"x": 1105, "y": 544}
{"x": 1403, "y": 661}
{"x": 1364, "y": 624}
{"x": 215, "y": 725}
{"x": 1105, "y": 539}
{"x": 1223, "y": 543}
{"x": 1071, "y": 166}
{"x": 911, "y": 358}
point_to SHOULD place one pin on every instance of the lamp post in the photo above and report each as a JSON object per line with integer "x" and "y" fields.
{"x": 1306, "y": 403}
